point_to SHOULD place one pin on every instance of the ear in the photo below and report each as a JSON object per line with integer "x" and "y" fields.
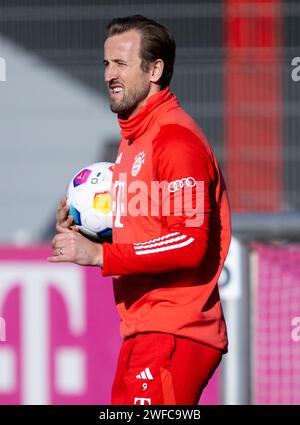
{"x": 157, "y": 68}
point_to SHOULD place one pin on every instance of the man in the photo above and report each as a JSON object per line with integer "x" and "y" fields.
{"x": 165, "y": 259}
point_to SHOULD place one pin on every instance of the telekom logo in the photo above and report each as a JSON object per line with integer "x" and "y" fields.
{"x": 34, "y": 280}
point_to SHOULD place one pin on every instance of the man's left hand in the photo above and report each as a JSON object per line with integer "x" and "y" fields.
{"x": 73, "y": 247}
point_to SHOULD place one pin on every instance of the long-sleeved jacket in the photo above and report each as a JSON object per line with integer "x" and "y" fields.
{"x": 171, "y": 229}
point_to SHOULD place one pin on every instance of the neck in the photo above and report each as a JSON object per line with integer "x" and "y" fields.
{"x": 154, "y": 88}
{"x": 136, "y": 125}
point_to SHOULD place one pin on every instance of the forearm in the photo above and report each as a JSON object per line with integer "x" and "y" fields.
{"x": 176, "y": 250}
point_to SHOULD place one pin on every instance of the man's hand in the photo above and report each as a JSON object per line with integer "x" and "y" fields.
{"x": 63, "y": 219}
{"x": 71, "y": 246}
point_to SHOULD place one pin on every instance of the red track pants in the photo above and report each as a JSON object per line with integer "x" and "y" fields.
{"x": 158, "y": 368}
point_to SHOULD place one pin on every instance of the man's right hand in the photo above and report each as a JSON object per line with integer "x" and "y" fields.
{"x": 64, "y": 221}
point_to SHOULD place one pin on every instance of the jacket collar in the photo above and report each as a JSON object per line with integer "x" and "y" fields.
{"x": 158, "y": 103}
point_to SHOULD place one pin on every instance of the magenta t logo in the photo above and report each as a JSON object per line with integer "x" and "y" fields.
{"x": 34, "y": 281}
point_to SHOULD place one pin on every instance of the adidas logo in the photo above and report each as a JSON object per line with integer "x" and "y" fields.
{"x": 145, "y": 374}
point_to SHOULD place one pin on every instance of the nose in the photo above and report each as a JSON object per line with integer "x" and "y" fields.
{"x": 110, "y": 73}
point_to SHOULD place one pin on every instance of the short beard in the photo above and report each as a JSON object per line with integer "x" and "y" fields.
{"x": 129, "y": 102}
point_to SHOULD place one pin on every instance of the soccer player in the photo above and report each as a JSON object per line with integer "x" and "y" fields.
{"x": 171, "y": 229}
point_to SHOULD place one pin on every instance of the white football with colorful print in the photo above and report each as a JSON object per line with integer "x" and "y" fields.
{"x": 89, "y": 200}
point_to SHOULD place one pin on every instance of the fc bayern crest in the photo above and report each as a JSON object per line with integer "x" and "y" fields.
{"x": 139, "y": 160}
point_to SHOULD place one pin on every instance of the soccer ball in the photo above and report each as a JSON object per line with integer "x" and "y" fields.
{"x": 89, "y": 200}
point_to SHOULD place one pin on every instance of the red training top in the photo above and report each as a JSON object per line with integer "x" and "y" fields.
{"x": 167, "y": 255}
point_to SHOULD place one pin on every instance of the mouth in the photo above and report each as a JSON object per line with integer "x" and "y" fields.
{"x": 115, "y": 91}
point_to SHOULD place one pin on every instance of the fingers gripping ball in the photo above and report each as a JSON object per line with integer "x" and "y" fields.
{"x": 90, "y": 202}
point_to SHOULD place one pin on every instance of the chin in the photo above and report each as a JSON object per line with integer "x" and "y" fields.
{"x": 115, "y": 110}
{"x": 115, "y": 107}
{"x": 123, "y": 112}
